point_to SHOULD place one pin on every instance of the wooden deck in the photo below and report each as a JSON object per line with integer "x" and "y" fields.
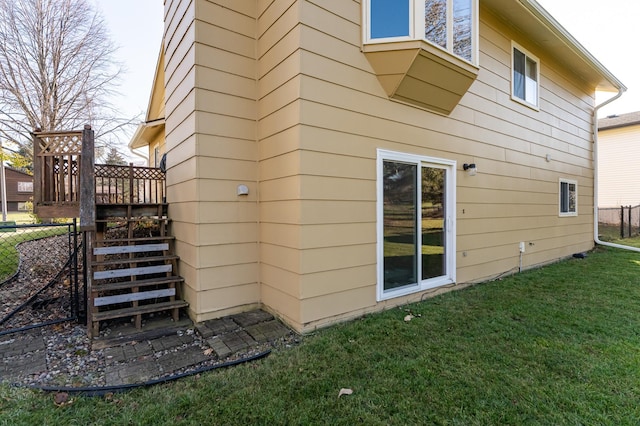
{"x": 59, "y": 177}
{"x": 129, "y": 277}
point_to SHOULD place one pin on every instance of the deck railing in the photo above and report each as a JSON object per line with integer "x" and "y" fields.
{"x": 68, "y": 184}
{"x": 129, "y": 185}
{"x": 57, "y": 172}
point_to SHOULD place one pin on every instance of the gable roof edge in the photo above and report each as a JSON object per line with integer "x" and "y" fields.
{"x": 574, "y": 45}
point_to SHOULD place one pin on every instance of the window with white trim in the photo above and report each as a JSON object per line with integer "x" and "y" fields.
{"x": 525, "y": 76}
{"x": 416, "y": 223}
{"x": 25, "y": 186}
{"x": 568, "y": 197}
{"x": 449, "y": 24}
{"x": 156, "y": 157}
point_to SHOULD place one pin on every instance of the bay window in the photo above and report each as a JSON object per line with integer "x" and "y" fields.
{"x": 424, "y": 52}
{"x": 448, "y": 24}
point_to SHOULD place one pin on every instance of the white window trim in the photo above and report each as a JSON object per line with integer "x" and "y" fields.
{"x": 23, "y": 191}
{"x": 529, "y": 55}
{"x": 560, "y": 212}
{"x": 416, "y": 9}
{"x": 450, "y": 223}
{"x": 366, "y": 18}
{"x": 156, "y": 156}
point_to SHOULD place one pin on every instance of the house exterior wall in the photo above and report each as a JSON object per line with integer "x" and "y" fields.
{"x": 277, "y": 95}
{"x": 156, "y": 108}
{"x": 618, "y": 159}
{"x": 210, "y": 74}
{"x": 16, "y": 197}
{"x": 280, "y": 173}
{"x": 346, "y": 116}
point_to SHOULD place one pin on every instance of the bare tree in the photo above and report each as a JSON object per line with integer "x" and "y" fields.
{"x": 57, "y": 70}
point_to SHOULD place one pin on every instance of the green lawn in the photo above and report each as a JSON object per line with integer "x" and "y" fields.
{"x": 553, "y": 346}
{"x": 20, "y": 217}
{"x": 9, "y": 257}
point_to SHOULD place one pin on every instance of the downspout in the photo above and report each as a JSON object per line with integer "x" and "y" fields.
{"x": 596, "y": 238}
{"x": 146, "y": 160}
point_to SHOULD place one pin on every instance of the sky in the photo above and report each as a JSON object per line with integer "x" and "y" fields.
{"x": 608, "y": 32}
{"x": 135, "y": 27}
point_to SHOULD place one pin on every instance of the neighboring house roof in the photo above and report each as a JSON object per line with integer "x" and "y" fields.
{"x": 17, "y": 171}
{"x": 622, "y": 120}
{"x": 555, "y": 40}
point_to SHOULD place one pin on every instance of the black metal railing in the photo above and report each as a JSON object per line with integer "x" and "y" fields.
{"x": 39, "y": 267}
{"x": 619, "y": 222}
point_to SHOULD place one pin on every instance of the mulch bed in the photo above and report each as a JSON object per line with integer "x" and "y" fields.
{"x": 41, "y": 275}
{"x": 41, "y": 271}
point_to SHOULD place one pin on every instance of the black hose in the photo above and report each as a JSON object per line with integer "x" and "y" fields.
{"x": 104, "y": 390}
{"x": 42, "y": 324}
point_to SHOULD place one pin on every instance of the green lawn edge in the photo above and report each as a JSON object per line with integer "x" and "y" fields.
{"x": 555, "y": 345}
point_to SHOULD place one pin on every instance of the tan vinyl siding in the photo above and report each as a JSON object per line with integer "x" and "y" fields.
{"x": 283, "y": 304}
{"x": 211, "y": 109}
{"x": 278, "y": 95}
{"x": 618, "y": 159}
{"x": 227, "y": 111}
{"x": 279, "y": 169}
{"x": 346, "y": 116}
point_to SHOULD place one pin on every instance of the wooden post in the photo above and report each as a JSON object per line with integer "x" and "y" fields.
{"x": 88, "y": 281}
{"x": 131, "y": 183}
{"x": 87, "y": 182}
{"x": 87, "y": 198}
{"x": 37, "y": 172}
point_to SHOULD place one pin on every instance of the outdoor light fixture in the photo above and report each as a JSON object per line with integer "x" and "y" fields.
{"x": 470, "y": 168}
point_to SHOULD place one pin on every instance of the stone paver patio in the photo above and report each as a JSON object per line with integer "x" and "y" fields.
{"x": 144, "y": 357}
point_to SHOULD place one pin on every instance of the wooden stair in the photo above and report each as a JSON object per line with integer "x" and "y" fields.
{"x": 132, "y": 277}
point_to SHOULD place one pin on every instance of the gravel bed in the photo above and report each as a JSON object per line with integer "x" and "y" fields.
{"x": 40, "y": 261}
{"x": 69, "y": 357}
{"x": 71, "y": 362}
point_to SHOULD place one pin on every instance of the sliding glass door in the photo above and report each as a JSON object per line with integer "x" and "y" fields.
{"x": 416, "y": 235}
